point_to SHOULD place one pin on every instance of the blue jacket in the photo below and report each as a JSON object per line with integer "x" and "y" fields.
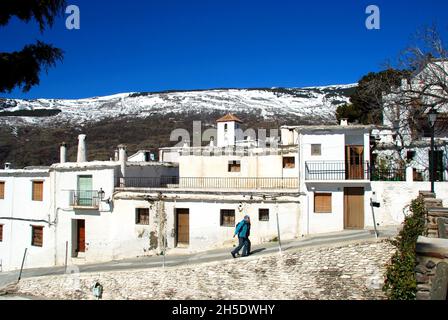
{"x": 242, "y": 229}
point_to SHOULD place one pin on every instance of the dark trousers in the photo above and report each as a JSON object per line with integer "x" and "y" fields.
{"x": 243, "y": 243}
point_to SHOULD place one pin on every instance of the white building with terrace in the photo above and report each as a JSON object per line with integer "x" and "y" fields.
{"x": 309, "y": 180}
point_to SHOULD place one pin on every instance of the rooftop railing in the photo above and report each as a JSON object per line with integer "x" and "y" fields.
{"x": 208, "y": 182}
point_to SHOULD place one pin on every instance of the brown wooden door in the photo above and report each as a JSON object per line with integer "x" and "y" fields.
{"x": 81, "y": 235}
{"x": 183, "y": 226}
{"x": 353, "y": 208}
{"x": 354, "y": 159}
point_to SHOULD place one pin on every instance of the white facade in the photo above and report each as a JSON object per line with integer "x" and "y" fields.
{"x": 19, "y": 212}
{"x": 317, "y": 181}
{"x": 229, "y": 133}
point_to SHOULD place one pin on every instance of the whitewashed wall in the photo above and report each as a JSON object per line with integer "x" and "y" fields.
{"x": 251, "y": 166}
{"x": 395, "y": 196}
{"x": 18, "y": 205}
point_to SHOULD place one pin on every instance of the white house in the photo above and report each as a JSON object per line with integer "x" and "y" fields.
{"x": 316, "y": 179}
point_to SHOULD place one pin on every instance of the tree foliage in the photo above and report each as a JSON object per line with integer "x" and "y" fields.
{"x": 400, "y": 282}
{"x": 22, "y": 68}
{"x": 366, "y": 102}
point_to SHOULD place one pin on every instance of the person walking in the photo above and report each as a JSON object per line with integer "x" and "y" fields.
{"x": 242, "y": 230}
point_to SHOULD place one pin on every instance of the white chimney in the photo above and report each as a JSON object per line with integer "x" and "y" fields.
{"x": 344, "y": 122}
{"x": 116, "y": 156}
{"x": 122, "y": 157}
{"x": 63, "y": 152}
{"x": 82, "y": 150}
{"x": 7, "y": 165}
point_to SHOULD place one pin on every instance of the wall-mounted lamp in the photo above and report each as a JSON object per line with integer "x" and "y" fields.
{"x": 101, "y": 195}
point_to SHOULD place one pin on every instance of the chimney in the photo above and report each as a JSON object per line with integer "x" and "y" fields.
{"x": 116, "y": 157}
{"x": 344, "y": 122}
{"x": 122, "y": 158}
{"x": 63, "y": 152}
{"x": 7, "y": 165}
{"x": 82, "y": 151}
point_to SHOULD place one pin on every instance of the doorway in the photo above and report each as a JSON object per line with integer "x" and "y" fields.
{"x": 439, "y": 167}
{"x": 354, "y": 208}
{"x": 80, "y": 241}
{"x": 354, "y": 162}
{"x": 182, "y": 227}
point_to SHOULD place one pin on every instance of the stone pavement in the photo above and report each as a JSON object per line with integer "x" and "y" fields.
{"x": 341, "y": 271}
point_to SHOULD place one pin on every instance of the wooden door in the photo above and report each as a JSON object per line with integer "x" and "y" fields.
{"x": 183, "y": 226}
{"x": 354, "y": 208}
{"x": 354, "y": 159}
{"x": 81, "y": 236}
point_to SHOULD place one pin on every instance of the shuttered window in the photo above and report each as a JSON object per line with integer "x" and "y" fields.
{"x": 142, "y": 216}
{"x": 2, "y": 190}
{"x": 38, "y": 190}
{"x": 322, "y": 202}
{"x": 289, "y": 162}
{"x": 1, "y": 233}
{"x": 234, "y": 166}
{"x": 227, "y": 218}
{"x": 316, "y": 150}
{"x": 263, "y": 214}
{"x": 37, "y": 236}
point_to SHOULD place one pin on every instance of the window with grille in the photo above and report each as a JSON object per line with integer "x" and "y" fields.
{"x": 2, "y": 190}
{"x": 142, "y": 216}
{"x": 227, "y": 218}
{"x": 263, "y": 214}
{"x": 316, "y": 149}
{"x": 289, "y": 162}
{"x": 322, "y": 202}
{"x": 38, "y": 190}
{"x": 37, "y": 236}
{"x": 234, "y": 166}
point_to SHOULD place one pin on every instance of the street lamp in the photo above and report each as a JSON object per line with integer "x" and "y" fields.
{"x": 432, "y": 117}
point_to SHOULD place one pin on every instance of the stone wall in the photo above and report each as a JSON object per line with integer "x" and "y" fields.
{"x": 432, "y": 252}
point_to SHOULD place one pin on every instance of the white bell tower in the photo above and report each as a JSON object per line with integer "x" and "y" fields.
{"x": 229, "y": 131}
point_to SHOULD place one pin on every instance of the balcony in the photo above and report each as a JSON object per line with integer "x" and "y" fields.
{"x": 208, "y": 183}
{"x": 84, "y": 199}
{"x": 336, "y": 171}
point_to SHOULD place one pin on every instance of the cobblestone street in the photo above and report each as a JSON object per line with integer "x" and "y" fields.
{"x": 349, "y": 271}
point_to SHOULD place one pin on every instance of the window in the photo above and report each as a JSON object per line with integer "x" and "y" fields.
{"x": 289, "y": 162}
{"x": 2, "y": 190}
{"x": 38, "y": 190}
{"x": 225, "y": 127}
{"x": 227, "y": 218}
{"x": 37, "y": 236}
{"x": 234, "y": 166}
{"x": 263, "y": 214}
{"x": 142, "y": 216}
{"x": 316, "y": 149}
{"x": 322, "y": 202}
{"x": 1, "y": 233}
{"x": 410, "y": 154}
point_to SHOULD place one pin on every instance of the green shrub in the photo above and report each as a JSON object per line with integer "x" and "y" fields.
{"x": 400, "y": 282}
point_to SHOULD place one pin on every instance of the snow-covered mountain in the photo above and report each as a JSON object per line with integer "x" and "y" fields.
{"x": 315, "y": 103}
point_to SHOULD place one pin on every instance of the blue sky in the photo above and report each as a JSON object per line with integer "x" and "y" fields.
{"x": 145, "y": 45}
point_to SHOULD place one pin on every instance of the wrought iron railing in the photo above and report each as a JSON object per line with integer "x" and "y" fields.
{"x": 336, "y": 170}
{"x": 84, "y": 198}
{"x": 388, "y": 174}
{"x": 208, "y": 182}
